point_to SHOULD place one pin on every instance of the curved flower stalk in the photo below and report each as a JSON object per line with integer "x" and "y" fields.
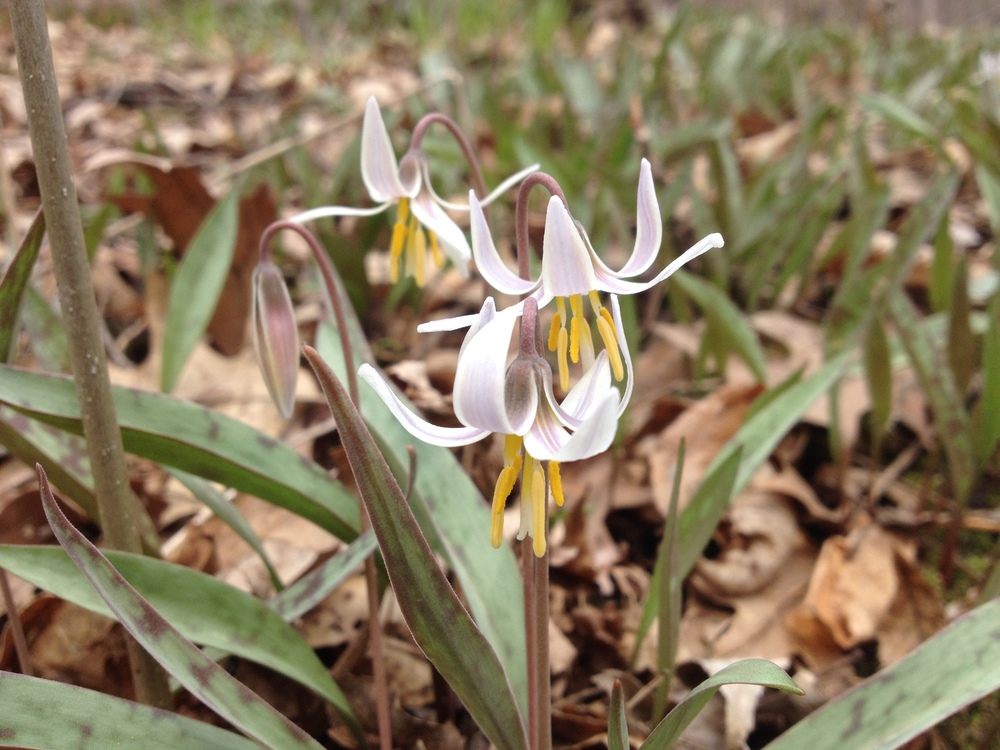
{"x": 572, "y": 271}
{"x": 517, "y": 401}
{"x": 422, "y": 224}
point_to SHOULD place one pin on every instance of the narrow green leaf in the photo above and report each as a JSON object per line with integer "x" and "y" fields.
{"x": 203, "y": 609}
{"x": 746, "y": 451}
{"x": 49, "y": 715}
{"x": 942, "y": 675}
{"x": 617, "y": 722}
{"x": 226, "y": 512}
{"x": 439, "y": 623}
{"x": 961, "y": 343}
{"x": 15, "y": 282}
{"x": 726, "y": 319}
{"x": 197, "y": 284}
{"x": 878, "y": 373}
{"x": 986, "y": 418}
{"x": 900, "y": 115}
{"x": 989, "y": 188}
{"x": 46, "y": 333}
{"x": 197, "y": 440}
{"x": 203, "y": 678}
{"x": 942, "y": 268}
{"x": 746, "y": 672}
{"x": 669, "y": 594}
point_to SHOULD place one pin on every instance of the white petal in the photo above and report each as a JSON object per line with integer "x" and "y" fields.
{"x": 507, "y": 184}
{"x": 379, "y": 168}
{"x": 481, "y": 376}
{"x": 566, "y": 264}
{"x": 595, "y": 382}
{"x": 610, "y": 282}
{"x": 324, "y": 211}
{"x": 449, "y": 234}
{"x": 488, "y": 260}
{"x": 546, "y": 436}
{"x": 447, "y": 324}
{"x": 616, "y": 314}
{"x": 648, "y": 226}
{"x": 595, "y": 434}
{"x": 418, "y": 427}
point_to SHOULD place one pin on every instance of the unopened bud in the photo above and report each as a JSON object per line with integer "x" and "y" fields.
{"x": 275, "y": 335}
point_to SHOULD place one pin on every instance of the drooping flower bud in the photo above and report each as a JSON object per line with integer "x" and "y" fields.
{"x": 275, "y": 335}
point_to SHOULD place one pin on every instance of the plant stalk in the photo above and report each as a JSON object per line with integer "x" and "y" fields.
{"x": 116, "y": 506}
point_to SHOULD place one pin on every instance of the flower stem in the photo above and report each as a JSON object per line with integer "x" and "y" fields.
{"x": 463, "y": 143}
{"x": 331, "y": 281}
{"x": 117, "y": 508}
{"x": 521, "y": 215}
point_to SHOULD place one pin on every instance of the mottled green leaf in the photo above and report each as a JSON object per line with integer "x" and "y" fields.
{"x": 746, "y": 672}
{"x": 942, "y": 675}
{"x": 15, "y": 282}
{"x": 49, "y": 715}
{"x": 203, "y": 678}
{"x": 195, "y": 288}
{"x": 439, "y": 622}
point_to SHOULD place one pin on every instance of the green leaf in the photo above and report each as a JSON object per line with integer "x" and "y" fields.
{"x": 900, "y": 115}
{"x": 49, "y": 715}
{"x": 741, "y": 456}
{"x": 203, "y": 609}
{"x": 617, "y": 723}
{"x": 439, "y": 622}
{"x": 942, "y": 675}
{"x": 878, "y": 373}
{"x": 197, "y": 284}
{"x": 228, "y": 513}
{"x": 197, "y": 440}
{"x": 669, "y": 593}
{"x": 989, "y": 188}
{"x": 725, "y": 319}
{"x": 986, "y": 417}
{"x": 15, "y": 282}
{"x": 746, "y": 672}
{"x": 203, "y": 678}
{"x": 46, "y": 333}
{"x": 961, "y": 342}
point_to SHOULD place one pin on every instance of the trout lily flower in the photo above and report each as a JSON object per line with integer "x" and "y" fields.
{"x": 422, "y": 223}
{"x": 572, "y": 271}
{"x": 517, "y": 401}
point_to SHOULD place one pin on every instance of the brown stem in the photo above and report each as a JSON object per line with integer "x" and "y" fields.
{"x": 521, "y": 215}
{"x": 543, "y": 689}
{"x": 116, "y": 507}
{"x": 528, "y": 563}
{"x": 463, "y": 143}
{"x": 333, "y": 288}
{"x": 16, "y": 628}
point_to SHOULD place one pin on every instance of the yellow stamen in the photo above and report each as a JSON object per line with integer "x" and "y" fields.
{"x": 505, "y": 485}
{"x": 402, "y": 210}
{"x": 607, "y": 332}
{"x": 603, "y": 312}
{"x": 538, "y": 507}
{"x": 555, "y": 483}
{"x": 574, "y": 339}
{"x": 563, "y": 346}
{"x": 561, "y": 304}
{"x": 595, "y": 301}
{"x": 398, "y": 240}
{"x": 576, "y": 304}
{"x": 554, "y": 329}
{"x": 436, "y": 250}
{"x": 420, "y": 270}
{"x": 512, "y": 449}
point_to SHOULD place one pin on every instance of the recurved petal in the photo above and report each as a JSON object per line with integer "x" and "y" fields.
{"x": 323, "y": 212}
{"x": 379, "y": 168}
{"x": 616, "y": 314}
{"x": 609, "y": 281}
{"x": 480, "y": 380}
{"x": 567, "y": 267}
{"x": 649, "y": 227}
{"x": 488, "y": 260}
{"x": 595, "y": 434}
{"x": 449, "y": 234}
{"x": 420, "y": 428}
{"x": 275, "y": 336}
{"x": 585, "y": 394}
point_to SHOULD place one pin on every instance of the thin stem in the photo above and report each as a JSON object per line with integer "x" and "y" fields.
{"x": 463, "y": 143}
{"x": 543, "y": 688}
{"x": 16, "y": 628}
{"x": 530, "y": 631}
{"x": 333, "y": 288}
{"x": 521, "y": 216}
{"x": 411, "y": 479}
{"x": 117, "y": 508}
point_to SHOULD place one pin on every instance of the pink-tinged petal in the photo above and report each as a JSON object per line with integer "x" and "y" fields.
{"x": 449, "y": 234}
{"x": 594, "y": 384}
{"x": 447, "y": 324}
{"x": 275, "y": 336}
{"x": 595, "y": 434}
{"x": 649, "y": 226}
{"x": 521, "y": 395}
{"x": 566, "y": 263}
{"x": 488, "y": 260}
{"x": 379, "y": 168}
{"x": 546, "y": 437}
{"x": 323, "y": 212}
{"x": 481, "y": 376}
{"x": 616, "y": 314}
{"x": 608, "y": 281}
{"x": 507, "y": 184}
{"x": 420, "y": 428}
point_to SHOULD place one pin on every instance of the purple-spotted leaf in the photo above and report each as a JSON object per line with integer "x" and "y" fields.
{"x": 440, "y": 625}
{"x": 89, "y": 720}
{"x": 203, "y": 678}
{"x": 746, "y": 672}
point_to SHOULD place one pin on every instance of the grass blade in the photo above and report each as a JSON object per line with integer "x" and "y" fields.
{"x": 617, "y": 723}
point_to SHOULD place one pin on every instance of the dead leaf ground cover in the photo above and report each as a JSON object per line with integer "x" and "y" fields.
{"x": 841, "y": 165}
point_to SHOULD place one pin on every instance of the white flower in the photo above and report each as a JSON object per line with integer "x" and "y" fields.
{"x": 517, "y": 401}
{"x": 407, "y": 185}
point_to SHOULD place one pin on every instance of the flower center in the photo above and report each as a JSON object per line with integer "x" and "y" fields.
{"x": 534, "y": 493}
{"x": 409, "y": 246}
{"x": 578, "y": 341}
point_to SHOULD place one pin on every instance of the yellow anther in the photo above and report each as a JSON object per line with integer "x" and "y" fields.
{"x": 402, "y": 210}
{"x": 561, "y": 304}
{"x": 603, "y": 312}
{"x": 574, "y": 338}
{"x": 420, "y": 269}
{"x": 576, "y": 305}
{"x": 538, "y": 507}
{"x": 512, "y": 449}
{"x": 396, "y": 250}
{"x": 555, "y": 483}
{"x": 586, "y": 343}
{"x": 563, "y": 346}
{"x": 505, "y": 485}
{"x": 595, "y": 301}
{"x": 554, "y": 329}
{"x": 607, "y": 332}
{"x": 436, "y": 250}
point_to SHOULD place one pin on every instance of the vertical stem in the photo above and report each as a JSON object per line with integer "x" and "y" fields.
{"x": 521, "y": 216}
{"x": 463, "y": 143}
{"x": 530, "y": 618}
{"x": 543, "y": 687}
{"x": 16, "y": 628}
{"x": 116, "y": 506}
{"x": 334, "y": 293}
